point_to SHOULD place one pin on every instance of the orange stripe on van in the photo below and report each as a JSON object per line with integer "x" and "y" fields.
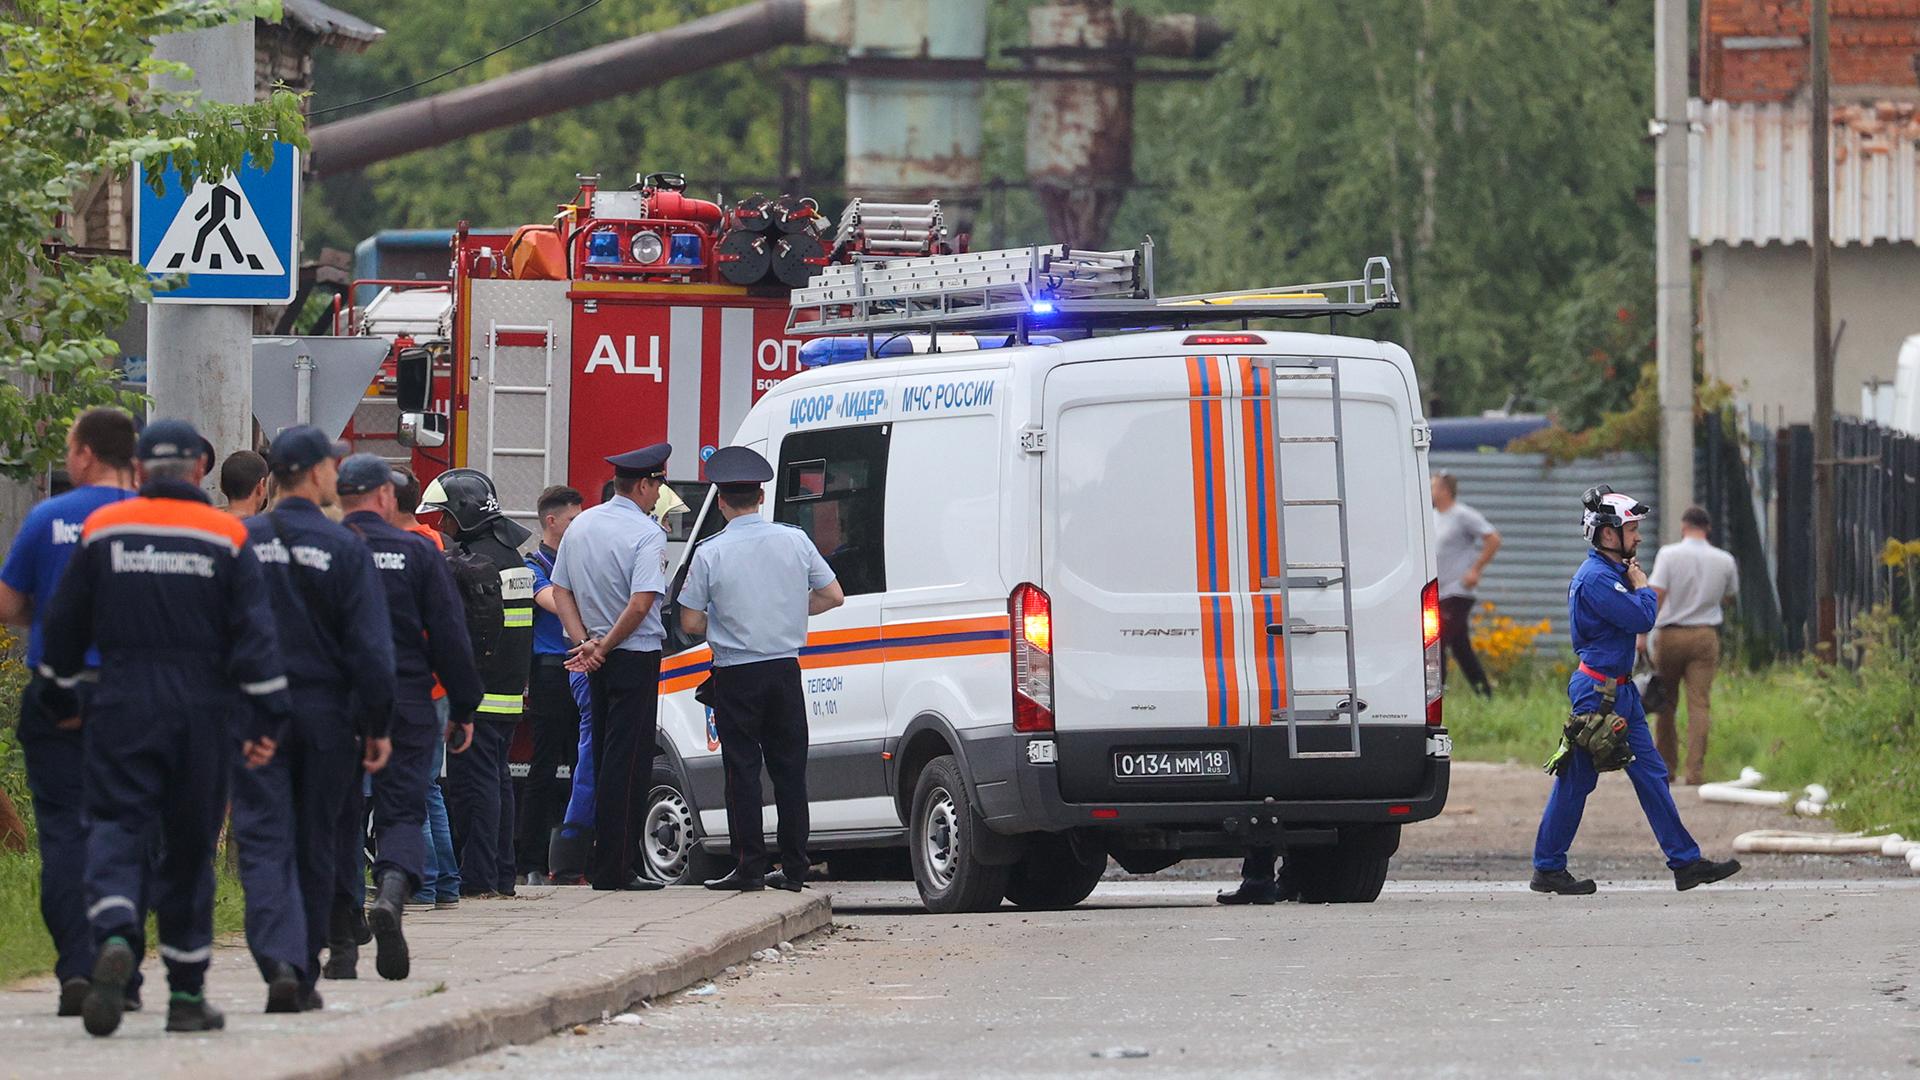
{"x": 1229, "y": 656}
{"x": 1202, "y": 579}
{"x": 1263, "y": 530}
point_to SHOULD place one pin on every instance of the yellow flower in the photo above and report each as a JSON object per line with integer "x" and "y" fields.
{"x": 1893, "y": 554}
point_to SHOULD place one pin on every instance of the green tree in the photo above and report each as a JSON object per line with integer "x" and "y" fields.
{"x": 76, "y": 103}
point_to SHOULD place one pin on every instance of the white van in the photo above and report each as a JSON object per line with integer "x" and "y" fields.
{"x": 1113, "y": 596}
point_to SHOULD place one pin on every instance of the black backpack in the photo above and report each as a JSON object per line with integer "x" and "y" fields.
{"x": 477, "y": 580}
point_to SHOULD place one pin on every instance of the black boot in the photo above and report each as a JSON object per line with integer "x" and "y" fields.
{"x": 738, "y": 881}
{"x": 343, "y": 947}
{"x": 310, "y": 1000}
{"x": 73, "y": 995}
{"x": 1250, "y": 892}
{"x": 1704, "y": 872}
{"x": 390, "y": 902}
{"x": 283, "y": 989}
{"x": 107, "y": 994}
{"x": 193, "y": 1012}
{"x": 1559, "y": 881}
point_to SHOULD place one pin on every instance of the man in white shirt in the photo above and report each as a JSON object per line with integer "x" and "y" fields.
{"x": 1464, "y": 543}
{"x": 1692, "y": 579}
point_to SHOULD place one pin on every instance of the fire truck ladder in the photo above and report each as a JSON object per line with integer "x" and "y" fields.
{"x": 543, "y": 391}
{"x": 1047, "y": 288}
{"x": 1312, "y": 575}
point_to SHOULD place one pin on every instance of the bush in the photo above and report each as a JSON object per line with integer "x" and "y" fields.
{"x": 1508, "y": 649}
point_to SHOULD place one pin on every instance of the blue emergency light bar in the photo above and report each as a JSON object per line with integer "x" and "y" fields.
{"x": 823, "y": 351}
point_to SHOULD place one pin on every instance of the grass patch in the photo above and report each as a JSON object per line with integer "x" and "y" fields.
{"x": 25, "y": 948}
{"x": 1853, "y": 731}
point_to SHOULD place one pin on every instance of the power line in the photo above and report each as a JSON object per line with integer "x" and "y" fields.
{"x": 589, "y": 6}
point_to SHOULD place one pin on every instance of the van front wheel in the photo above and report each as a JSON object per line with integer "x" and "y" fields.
{"x": 945, "y": 825}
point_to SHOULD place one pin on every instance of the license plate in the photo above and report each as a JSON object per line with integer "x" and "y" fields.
{"x": 1171, "y": 764}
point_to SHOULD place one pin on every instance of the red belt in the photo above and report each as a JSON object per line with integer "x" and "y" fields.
{"x": 1597, "y": 676}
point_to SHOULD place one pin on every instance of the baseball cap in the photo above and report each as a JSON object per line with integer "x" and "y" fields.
{"x": 362, "y": 473}
{"x": 302, "y": 447}
{"x": 171, "y": 440}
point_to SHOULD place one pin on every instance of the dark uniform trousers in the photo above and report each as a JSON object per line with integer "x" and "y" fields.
{"x": 56, "y": 778}
{"x": 161, "y": 758}
{"x": 480, "y": 808}
{"x": 285, "y": 817}
{"x": 400, "y": 793}
{"x": 555, "y": 720}
{"x": 761, "y": 715}
{"x": 626, "y": 707}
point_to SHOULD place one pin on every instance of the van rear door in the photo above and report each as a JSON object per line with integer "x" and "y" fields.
{"x": 1162, "y": 545}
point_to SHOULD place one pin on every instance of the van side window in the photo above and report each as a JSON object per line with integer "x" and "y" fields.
{"x": 832, "y": 485}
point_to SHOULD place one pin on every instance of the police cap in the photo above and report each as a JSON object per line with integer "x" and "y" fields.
{"x": 738, "y": 467}
{"x": 171, "y": 440}
{"x": 646, "y": 463}
{"x": 302, "y": 447}
{"x": 362, "y": 473}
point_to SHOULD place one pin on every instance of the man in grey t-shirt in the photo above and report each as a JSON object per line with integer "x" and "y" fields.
{"x": 1692, "y": 578}
{"x": 1465, "y": 542}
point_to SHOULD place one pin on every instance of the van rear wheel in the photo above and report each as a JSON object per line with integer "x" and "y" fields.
{"x": 1352, "y": 871}
{"x": 945, "y": 825}
{"x": 1055, "y": 873}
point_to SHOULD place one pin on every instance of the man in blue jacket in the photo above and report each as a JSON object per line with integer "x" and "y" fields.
{"x": 100, "y": 464}
{"x": 429, "y": 639}
{"x": 332, "y": 617}
{"x": 1609, "y": 604}
{"x": 167, "y": 589}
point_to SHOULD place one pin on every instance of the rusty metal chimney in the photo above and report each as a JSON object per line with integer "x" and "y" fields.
{"x": 1080, "y": 131}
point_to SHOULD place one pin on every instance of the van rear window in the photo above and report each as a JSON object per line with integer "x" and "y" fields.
{"x": 833, "y": 487}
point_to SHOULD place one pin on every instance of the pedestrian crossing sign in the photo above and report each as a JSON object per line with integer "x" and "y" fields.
{"x": 236, "y": 238}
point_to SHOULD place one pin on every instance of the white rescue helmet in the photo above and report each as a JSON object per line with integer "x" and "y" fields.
{"x": 1609, "y": 509}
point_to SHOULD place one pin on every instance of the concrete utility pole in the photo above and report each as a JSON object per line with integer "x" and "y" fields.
{"x": 1673, "y": 265}
{"x": 1825, "y": 573}
{"x": 200, "y": 356}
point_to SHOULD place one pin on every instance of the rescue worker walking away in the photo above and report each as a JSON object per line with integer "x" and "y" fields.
{"x": 750, "y": 589}
{"x": 1609, "y": 604}
{"x": 429, "y": 640}
{"x": 485, "y": 552}
{"x": 168, "y": 590}
{"x": 100, "y": 464}
{"x": 609, "y": 578}
{"x": 332, "y": 619}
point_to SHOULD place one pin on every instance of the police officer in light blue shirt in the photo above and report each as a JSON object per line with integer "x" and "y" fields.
{"x": 750, "y": 589}
{"x": 609, "y": 578}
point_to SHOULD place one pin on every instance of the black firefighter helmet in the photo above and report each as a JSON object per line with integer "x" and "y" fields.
{"x": 468, "y": 498}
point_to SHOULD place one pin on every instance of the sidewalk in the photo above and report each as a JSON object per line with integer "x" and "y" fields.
{"x": 489, "y": 974}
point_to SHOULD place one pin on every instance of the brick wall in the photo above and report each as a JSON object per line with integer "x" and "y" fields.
{"x": 1874, "y": 44}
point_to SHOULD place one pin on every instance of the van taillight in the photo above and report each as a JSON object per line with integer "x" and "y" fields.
{"x": 1031, "y": 616}
{"x": 1430, "y": 641}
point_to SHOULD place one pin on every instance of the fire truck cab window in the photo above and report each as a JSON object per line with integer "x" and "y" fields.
{"x": 833, "y": 486}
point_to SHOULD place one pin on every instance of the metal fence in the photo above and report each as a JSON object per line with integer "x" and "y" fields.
{"x": 1876, "y": 498}
{"x": 1536, "y": 507}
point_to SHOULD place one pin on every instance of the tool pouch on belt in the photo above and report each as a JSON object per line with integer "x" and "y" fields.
{"x": 1602, "y": 733}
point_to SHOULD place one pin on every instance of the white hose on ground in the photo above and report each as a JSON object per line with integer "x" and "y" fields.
{"x": 1787, "y": 842}
{"x": 1745, "y": 791}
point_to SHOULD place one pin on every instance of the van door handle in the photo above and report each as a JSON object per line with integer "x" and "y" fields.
{"x": 1298, "y": 626}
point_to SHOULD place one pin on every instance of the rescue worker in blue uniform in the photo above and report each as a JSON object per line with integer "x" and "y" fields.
{"x": 750, "y": 589}
{"x": 480, "y": 788}
{"x": 332, "y": 619}
{"x": 429, "y": 640}
{"x": 1609, "y": 604}
{"x": 609, "y": 579}
{"x": 100, "y": 464}
{"x": 167, "y": 589}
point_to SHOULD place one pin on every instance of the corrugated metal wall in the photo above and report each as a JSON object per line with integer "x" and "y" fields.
{"x": 1536, "y": 507}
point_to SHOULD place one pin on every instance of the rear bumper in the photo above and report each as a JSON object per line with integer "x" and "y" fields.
{"x": 1015, "y": 795}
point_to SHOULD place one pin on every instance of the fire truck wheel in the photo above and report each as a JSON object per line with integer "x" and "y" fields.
{"x": 670, "y": 837}
{"x": 945, "y": 825}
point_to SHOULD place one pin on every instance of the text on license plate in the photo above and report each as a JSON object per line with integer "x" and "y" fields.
{"x": 1171, "y": 764}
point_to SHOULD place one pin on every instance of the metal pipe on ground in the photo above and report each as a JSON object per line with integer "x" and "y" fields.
{"x": 607, "y": 71}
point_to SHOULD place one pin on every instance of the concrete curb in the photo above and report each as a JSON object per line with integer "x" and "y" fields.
{"x": 529, "y": 1006}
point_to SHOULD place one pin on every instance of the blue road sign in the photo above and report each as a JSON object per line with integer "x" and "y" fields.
{"x": 236, "y": 238}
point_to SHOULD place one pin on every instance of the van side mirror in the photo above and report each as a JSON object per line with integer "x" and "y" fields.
{"x": 413, "y": 379}
{"x": 424, "y": 430}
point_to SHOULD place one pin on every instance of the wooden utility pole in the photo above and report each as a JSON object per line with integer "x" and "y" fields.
{"x": 1825, "y": 527}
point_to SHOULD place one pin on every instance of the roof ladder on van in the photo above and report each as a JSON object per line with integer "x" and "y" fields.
{"x": 1313, "y": 575}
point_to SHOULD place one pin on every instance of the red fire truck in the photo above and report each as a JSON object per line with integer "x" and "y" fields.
{"x": 632, "y": 317}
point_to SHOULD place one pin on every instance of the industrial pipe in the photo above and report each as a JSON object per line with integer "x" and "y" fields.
{"x": 607, "y": 71}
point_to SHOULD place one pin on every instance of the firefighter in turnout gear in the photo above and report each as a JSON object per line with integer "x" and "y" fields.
{"x": 169, "y": 591}
{"x": 1608, "y": 605}
{"x": 483, "y": 549}
{"x": 332, "y": 619}
{"x": 429, "y": 640}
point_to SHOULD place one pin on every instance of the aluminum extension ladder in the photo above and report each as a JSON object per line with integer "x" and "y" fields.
{"x": 1313, "y": 575}
{"x": 542, "y": 390}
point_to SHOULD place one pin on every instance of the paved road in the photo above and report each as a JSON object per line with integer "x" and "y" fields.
{"x": 1446, "y": 978}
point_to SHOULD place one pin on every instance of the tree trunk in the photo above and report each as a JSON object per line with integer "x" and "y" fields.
{"x": 13, "y": 831}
